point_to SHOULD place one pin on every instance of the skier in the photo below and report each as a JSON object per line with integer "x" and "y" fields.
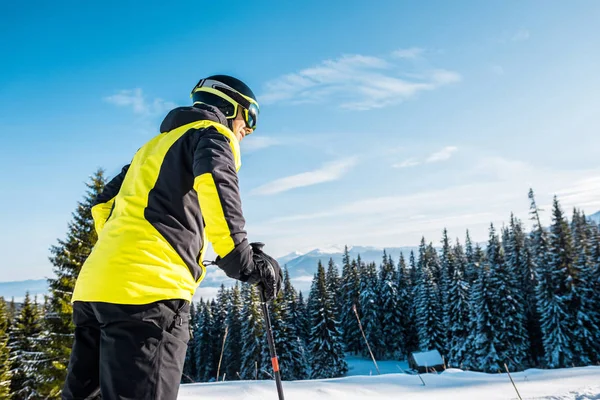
{"x": 131, "y": 299}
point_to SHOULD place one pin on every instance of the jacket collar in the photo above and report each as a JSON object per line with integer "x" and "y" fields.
{"x": 185, "y": 115}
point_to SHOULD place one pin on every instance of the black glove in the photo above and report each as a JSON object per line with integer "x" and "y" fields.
{"x": 267, "y": 272}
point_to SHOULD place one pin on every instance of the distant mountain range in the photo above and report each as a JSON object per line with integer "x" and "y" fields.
{"x": 302, "y": 267}
{"x": 17, "y": 289}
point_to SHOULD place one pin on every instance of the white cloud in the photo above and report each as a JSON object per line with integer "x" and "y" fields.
{"x": 304, "y": 278}
{"x": 206, "y": 293}
{"x": 254, "y": 143}
{"x": 358, "y": 82}
{"x": 139, "y": 103}
{"x": 411, "y": 162}
{"x": 521, "y": 35}
{"x": 442, "y": 155}
{"x": 329, "y": 172}
{"x": 410, "y": 53}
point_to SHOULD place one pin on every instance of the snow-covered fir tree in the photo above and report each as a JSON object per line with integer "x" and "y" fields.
{"x": 509, "y": 320}
{"x": 5, "y": 365}
{"x": 447, "y": 264}
{"x": 350, "y": 293}
{"x": 220, "y": 310}
{"x": 581, "y": 306}
{"x": 408, "y": 326}
{"x": 189, "y": 366}
{"x": 333, "y": 287}
{"x": 25, "y": 352}
{"x": 594, "y": 235}
{"x": 206, "y": 358}
{"x": 296, "y": 360}
{"x": 471, "y": 268}
{"x": 427, "y": 302}
{"x": 483, "y": 339}
{"x": 370, "y": 310}
{"x": 553, "y": 289}
{"x": 459, "y": 310}
{"x": 68, "y": 256}
{"x": 252, "y": 334}
{"x": 390, "y": 313}
{"x": 232, "y": 357}
{"x": 520, "y": 267}
{"x": 326, "y": 350}
{"x": 303, "y": 320}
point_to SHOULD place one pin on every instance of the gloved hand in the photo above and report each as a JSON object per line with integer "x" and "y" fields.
{"x": 267, "y": 272}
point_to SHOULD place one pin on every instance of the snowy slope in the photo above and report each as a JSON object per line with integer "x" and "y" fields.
{"x": 562, "y": 384}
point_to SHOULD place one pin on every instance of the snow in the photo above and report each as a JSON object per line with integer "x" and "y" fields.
{"x": 428, "y": 358}
{"x": 561, "y": 384}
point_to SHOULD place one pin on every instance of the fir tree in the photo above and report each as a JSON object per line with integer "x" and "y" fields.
{"x": 25, "y": 352}
{"x": 252, "y": 334}
{"x": 520, "y": 267}
{"x": 390, "y": 312}
{"x": 459, "y": 310}
{"x": 206, "y": 357}
{"x": 580, "y": 299}
{"x": 471, "y": 268}
{"x": 326, "y": 350}
{"x": 447, "y": 263}
{"x": 508, "y": 323}
{"x": 483, "y": 339}
{"x": 68, "y": 256}
{"x": 408, "y": 326}
{"x": 427, "y": 302}
{"x": 303, "y": 320}
{"x": 333, "y": 287}
{"x": 552, "y": 290}
{"x": 350, "y": 291}
{"x": 232, "y": 357}
{"x": 594, "y": 235}
{"x": 370, "y": 310}
{"x": 5, "y": 365}
{"x": 189, "y": 367}
{"x": 295, "y": 362}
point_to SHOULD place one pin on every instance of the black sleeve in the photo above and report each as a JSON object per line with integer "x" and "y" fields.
{"x": 216, "y": 183}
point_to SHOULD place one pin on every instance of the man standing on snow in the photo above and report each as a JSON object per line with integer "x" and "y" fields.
{"x": 132, "y": 296}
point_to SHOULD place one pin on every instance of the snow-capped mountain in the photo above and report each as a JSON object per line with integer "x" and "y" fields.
{"x": 595, "y": 217}
{"x": 304, "y": 266}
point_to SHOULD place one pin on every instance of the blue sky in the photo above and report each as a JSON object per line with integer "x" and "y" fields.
{"x": 380, "y": 121}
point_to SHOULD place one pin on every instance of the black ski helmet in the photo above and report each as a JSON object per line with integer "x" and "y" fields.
{"x": 227, "y": 94}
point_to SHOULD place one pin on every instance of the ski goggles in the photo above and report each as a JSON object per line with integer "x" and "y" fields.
{"x": 227, "y": 99}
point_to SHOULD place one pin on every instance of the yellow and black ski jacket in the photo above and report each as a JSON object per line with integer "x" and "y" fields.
{"x": 154, "y": 218}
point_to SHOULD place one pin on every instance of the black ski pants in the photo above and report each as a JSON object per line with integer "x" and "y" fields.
{"x": 126, "y": 352}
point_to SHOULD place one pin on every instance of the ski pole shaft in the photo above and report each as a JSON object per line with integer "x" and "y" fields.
{"x": 272, "y": 351}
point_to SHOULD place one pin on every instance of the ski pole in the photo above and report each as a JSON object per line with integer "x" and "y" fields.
{"x": 272, "y": 351}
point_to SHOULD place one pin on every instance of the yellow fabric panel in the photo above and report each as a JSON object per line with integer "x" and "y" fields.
{"x": 131, "y": 262}
{"x": 217, "y": 229}
{"x": 100, "y": 213}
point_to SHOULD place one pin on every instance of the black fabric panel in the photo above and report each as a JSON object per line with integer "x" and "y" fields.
{"x": 83, "y": 372}
{"x": 112, "y": 188}
{"x": 213, "y": 155}
{"x": 238, "y": 264}
{"x": 142, "y": 348}
{"x": 173, "y": 207}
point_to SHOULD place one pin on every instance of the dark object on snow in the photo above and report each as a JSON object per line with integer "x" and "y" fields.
{"x": 427, "y": 361}
{"x": 272, "y": 351}
{"x": 128, "y": 351}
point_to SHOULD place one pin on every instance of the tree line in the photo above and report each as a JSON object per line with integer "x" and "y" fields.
{"x": 527, "y": 299}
